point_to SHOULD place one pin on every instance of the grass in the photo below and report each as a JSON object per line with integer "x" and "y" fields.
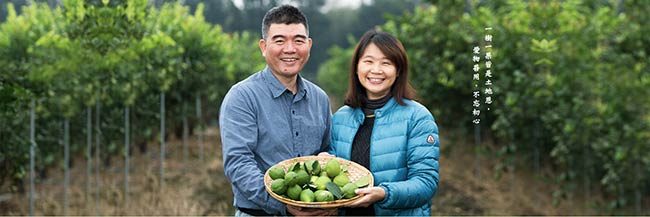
{"x": 195, "y": 188}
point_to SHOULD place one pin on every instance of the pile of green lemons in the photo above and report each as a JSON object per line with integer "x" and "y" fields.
{"x": 309, "y": 182}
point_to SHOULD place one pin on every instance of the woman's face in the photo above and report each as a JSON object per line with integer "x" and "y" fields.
{"x": 376, "y": 72}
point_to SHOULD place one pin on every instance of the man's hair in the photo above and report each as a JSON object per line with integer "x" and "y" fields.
{"x": 285, "y": 14}
{"x": 393, "y": 49}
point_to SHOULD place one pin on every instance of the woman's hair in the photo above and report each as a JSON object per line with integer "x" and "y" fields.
{"x": 395, "y": 52}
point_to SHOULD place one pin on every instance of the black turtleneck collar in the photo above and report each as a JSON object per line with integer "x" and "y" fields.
{"x": 369, "y": 106}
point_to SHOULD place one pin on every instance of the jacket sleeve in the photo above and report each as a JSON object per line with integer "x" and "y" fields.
{"x": 332, "y": 147}
{"x": 333, "y": 134}
{"x": 423, "y": 153}
{"x": 239, "y": 138}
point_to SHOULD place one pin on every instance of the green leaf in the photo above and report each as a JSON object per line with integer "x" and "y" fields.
{"x": 294, "y": 167}
{"x": 312, "y": 167}
{"x": 363, "y": 181}
{"x": 335, "y": 190}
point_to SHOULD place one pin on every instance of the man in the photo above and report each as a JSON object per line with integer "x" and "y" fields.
{"x": 273, "y": 115}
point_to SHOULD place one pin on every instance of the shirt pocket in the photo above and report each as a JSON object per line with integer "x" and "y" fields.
{"x": 314, "y": 138}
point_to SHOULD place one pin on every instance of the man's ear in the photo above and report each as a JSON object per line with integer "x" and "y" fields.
{"x": 309, "y": 42}
{"x": 262, "y": 44}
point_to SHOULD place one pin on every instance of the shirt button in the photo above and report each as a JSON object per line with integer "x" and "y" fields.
{"x": 296, "y": 133}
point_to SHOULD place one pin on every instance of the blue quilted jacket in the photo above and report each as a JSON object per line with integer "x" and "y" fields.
{"x": 404, "y": 154}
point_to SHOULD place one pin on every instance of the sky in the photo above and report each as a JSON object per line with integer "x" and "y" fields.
{"x": 330, "y": 4}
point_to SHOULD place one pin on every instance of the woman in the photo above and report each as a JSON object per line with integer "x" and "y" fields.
{"x": 383, "y": 129}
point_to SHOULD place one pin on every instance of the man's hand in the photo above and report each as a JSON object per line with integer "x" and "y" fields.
{"x": 370, "y": 196}
{"x": 299, "y": 211}
{"x": 325, "y": 154}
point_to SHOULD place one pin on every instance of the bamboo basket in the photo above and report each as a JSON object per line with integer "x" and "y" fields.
{"x": 355, "y": 172}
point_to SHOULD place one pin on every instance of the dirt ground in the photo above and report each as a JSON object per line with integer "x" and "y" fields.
{"x": 467, "y": 187}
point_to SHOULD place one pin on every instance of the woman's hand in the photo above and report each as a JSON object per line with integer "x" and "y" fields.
{"x": 325, "y": 154}
{"x": 299, "y": 211}
{"x": 370, "y": 196}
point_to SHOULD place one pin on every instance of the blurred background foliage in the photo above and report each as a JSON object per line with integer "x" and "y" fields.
{"x": 571, "y": 84}
{"x": 104, "y": 56}
{"x": 571, "y": 79}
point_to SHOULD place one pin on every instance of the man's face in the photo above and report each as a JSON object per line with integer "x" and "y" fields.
{"x": 286, "y": 48}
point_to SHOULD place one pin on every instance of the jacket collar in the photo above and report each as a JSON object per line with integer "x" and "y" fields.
{"x": 359, "y": 116}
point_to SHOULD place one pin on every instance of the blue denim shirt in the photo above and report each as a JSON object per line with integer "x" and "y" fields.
{"x": 263, "y": 123}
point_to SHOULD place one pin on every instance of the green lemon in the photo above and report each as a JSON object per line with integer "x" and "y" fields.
{"x": 302, "y": 178}
{"x": 348, "y": 190}
{"x": 291, "y": 178}
{"x": 324, "y": 196}
{"x": 276, "y": 172}
{"x": 307, "y": 195}
{"x": 321, "y": 182}
{"x": 341, "y": 180}
{"x": 333, "y": 168}
{"x": 278, "y": 186}
{"x": 294, "y": 192}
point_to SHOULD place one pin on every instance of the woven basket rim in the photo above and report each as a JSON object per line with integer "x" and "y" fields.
{"x": 331, "y": 204}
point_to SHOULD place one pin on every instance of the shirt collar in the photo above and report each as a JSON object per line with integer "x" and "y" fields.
{"x": 278, "y": 88}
